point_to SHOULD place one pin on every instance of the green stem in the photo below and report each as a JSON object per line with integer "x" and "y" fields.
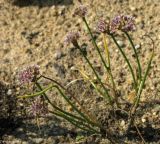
{"x": 74, "y": 107}
{"x": 95, "y": 44}
{"x": 38, "y": 93}
{"x": 76, "y": 100}
{"x": 126, "y": 59}
{"x": 138, "y": 62}
{"x": 78, "y": 124}
{"x": 143, "y": 81}
{"x": 136, "y": 103}
{"x": 57, "y": 108}
{"x": 98, "y": 78}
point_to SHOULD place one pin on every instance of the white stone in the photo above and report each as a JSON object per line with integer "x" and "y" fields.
{"x": 122, "y": 123}
{"x": 143, "y": 120}
{"x": 9, "y": 92}
{"x": 138, "y": 46}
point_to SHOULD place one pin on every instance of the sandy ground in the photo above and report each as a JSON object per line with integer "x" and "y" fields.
{"x": 33, "y": 33}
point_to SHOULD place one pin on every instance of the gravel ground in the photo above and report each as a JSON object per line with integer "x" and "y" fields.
{"x": 32, "y": 32}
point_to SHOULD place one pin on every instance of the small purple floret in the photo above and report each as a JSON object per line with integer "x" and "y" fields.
{"x": 71, "y": 37}
{"x": 81, "y": 11}
{"x": 102, "y": 26}
{"x": 28, "y": 74}
{"x": 125, "y": 23}
{"x": 38, "y": 107}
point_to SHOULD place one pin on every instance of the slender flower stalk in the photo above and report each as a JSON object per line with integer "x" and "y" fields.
{"x": 138, "y": 62}
{"x": 128, "y": 62}
{"x": 103, "y": 28}
{"x": 98, "y": 78}
{"x": 75, "y": 43}
{"x": 95, "y": 44}
{"x": 137, "y": 100}
{"x": 141, "y": 87}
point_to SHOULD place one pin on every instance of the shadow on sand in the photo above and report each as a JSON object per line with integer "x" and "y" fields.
{"x": 40, "y": 3}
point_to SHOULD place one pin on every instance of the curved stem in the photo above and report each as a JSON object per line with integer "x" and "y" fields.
{"x": 138, "y": 62}
{"x": 76, "y": 100}
{"x": 57, "y": 108}
{"x": 75, "y": 108}
{"x": 126, "y": 59}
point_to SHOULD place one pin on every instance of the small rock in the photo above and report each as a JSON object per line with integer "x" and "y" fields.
{"x": 9, "y": 92}
{"x": 154, "y": 113}
{"x": 121, "y": 44}
{"x": 73, "y": 68}
{"x": 61, "y": 10}
{"x": 138, "y": 46}
{"x": 143, "y": 120}
{"x": 132, "y": 8}
{"x": 122, "y": 123}
{"x": 100, "y": 44}
{"x": 38, "y": 140}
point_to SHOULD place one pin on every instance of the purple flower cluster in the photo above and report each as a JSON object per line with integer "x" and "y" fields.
{"x": 81, "y": 11}
{"x": 38, "y": 107}
{"x": 102, "y": 26}
{"x": 129, "y": 23}
{"x": 125, "y": 23}
{"x": 28, "y": 74}
{"x": 72, "y": 37}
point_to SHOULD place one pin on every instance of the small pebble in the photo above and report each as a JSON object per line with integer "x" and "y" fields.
{"x": 73, "y": 68}
{"x": 138, "y": 46}
{"x": 132, "y": 8}
{"x": 117, "y": 50}
{"x": 122, "y": 123}
{"x": 100, "y": 44}
{"x": 121, "y": 44}
{"x": 143, "y": 120}
{"x": 154, "y": 113}
{"x": 9, "y": 92}
{"x": 38, "y": 140}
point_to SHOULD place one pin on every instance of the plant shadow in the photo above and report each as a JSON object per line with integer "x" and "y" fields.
{"x": 29, "y": 132}
{"x": 41, "y": 3}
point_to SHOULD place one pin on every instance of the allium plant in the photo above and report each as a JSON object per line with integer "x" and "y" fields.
{"x": 82, "y": 119}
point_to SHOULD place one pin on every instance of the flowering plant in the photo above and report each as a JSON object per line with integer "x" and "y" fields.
{"x": 82, "y": 119}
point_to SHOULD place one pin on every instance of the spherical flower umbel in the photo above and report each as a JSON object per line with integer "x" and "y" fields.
{"x": 125, "y": 23}
{"x": 129, "y": 23}
{"x": 81, "y": 11}
{"x": 28, "y": 74}
{"x": 72, "y": 37}
{"x": 38, "y": 107}
{"x": 102, "y": 26}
